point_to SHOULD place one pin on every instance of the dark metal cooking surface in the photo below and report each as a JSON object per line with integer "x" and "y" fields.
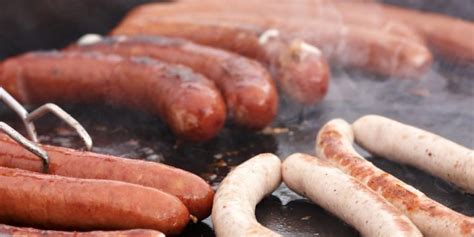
{"x": 443, "y": 102}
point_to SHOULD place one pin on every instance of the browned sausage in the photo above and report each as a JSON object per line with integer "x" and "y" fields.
{"x": 13, "y": 231}
{"x": 334, "y": 143}
{"x": 193, "y": 191}
{"x": 56, "y": 202}
{"x": 350, "y": 45}
{"x": 449, "y": 36}
{"x": 301, "y": 73}
{"x": 247, "y": 86}
{"x": 189, "y": 103}
{"x": 307, "y": 10}
{"x": 301, "y": 70}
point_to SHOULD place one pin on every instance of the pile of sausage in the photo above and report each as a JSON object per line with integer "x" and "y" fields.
{"x": 84, "y": 191}
{"x": 197, "y": 63}
{"x": 351, "y": 187}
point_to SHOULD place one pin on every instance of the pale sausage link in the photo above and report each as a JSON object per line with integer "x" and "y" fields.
{"x": 334, "y": 143}
{"x": 233, "y": 214}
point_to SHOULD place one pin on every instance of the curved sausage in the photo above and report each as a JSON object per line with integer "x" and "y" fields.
{"x": 301, "y": 70}
{"x": 350, "y": 45}
{"x": 189, "y": 103}
{"x": 247, "y": 87}
{"x": 334, "y": 143}
{"x": 48, "y": 201}
{"x": 192, "y": 190}
{"x": 304, "y": 10}
{"x": 233, "y": 213}
{"x": 12, "y": 231}
{"x": 346, "y": 197}
{"x": 449, "y": 36}
{"x": 421, "y": 149}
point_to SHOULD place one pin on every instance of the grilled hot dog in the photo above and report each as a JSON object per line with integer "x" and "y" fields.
{"x": 193, "y": 191}
{"x": 350, "y": 45}
{"x": 48, "y": 201}
{"x": 334, "y": 143}
{"x": 189, "y": 103}
{"x": 247, "y": 87}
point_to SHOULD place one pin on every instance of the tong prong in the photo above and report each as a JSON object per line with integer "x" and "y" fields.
{"x": 30, "y": 146}
{"x": 20, "y": 111}
{"x": 63, "y": 115}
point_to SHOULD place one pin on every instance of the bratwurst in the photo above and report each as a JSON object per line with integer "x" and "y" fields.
{"x": 346, "y": 197}
{"x": 334, "y": 143}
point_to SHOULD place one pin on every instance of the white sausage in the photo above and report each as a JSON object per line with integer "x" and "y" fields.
{"x": 334, "y": 143}
{"x": 424, "y": 150}
{"x": 233, "y": 213}
{"x": 345, "y": 197}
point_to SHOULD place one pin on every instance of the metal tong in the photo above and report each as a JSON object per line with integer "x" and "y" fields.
{"x": 28, "y": 118}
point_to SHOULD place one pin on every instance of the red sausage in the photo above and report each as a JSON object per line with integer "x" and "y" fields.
{"x": 56, "y": 202}
{"x": 193, "y": 191}
{"x": 12, "y": 231}
{"x": 300, "y": 73}
{"x": 191, "y": 105}
{"x": 350, "y": 45}
{"x": 248, "y": 88}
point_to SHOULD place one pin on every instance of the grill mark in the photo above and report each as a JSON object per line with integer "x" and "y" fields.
{"x": 334, "y": 147}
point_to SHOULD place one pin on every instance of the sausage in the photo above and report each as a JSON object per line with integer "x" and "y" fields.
{"x": 450, "y": 37}
{"x": 233, "y": 213}
{"x": 192, "y": 190}
{"x": 345, "y": 197}
{"x": 349, "y": 45}
{"x": 301, "y": 70}
{"x": 308, "y": 11}
{"x": 56, "y": 202}
{"x": 421, "y": 149}
{"x": 247, "y": 87}
{"x": 334, "y": 143}
{"x": 189, "y": 103}
{"x": 12, "y": 231}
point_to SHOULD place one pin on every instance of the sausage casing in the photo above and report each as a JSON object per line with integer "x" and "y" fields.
{"x": 193, "y": 191}
{"x": 189, "y": 103}
{"x": 12, "y": 231}
{"x": 56, "y": 202}
{"x": 246, "y": 85}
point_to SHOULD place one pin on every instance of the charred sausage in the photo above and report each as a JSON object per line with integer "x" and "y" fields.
{"x": 193, "y": 191}
{"x": 334, "y": 143}
{"x": 247, "y": 86}
{"x": 189, "y": 103}
{"x": 56, "y": 202}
